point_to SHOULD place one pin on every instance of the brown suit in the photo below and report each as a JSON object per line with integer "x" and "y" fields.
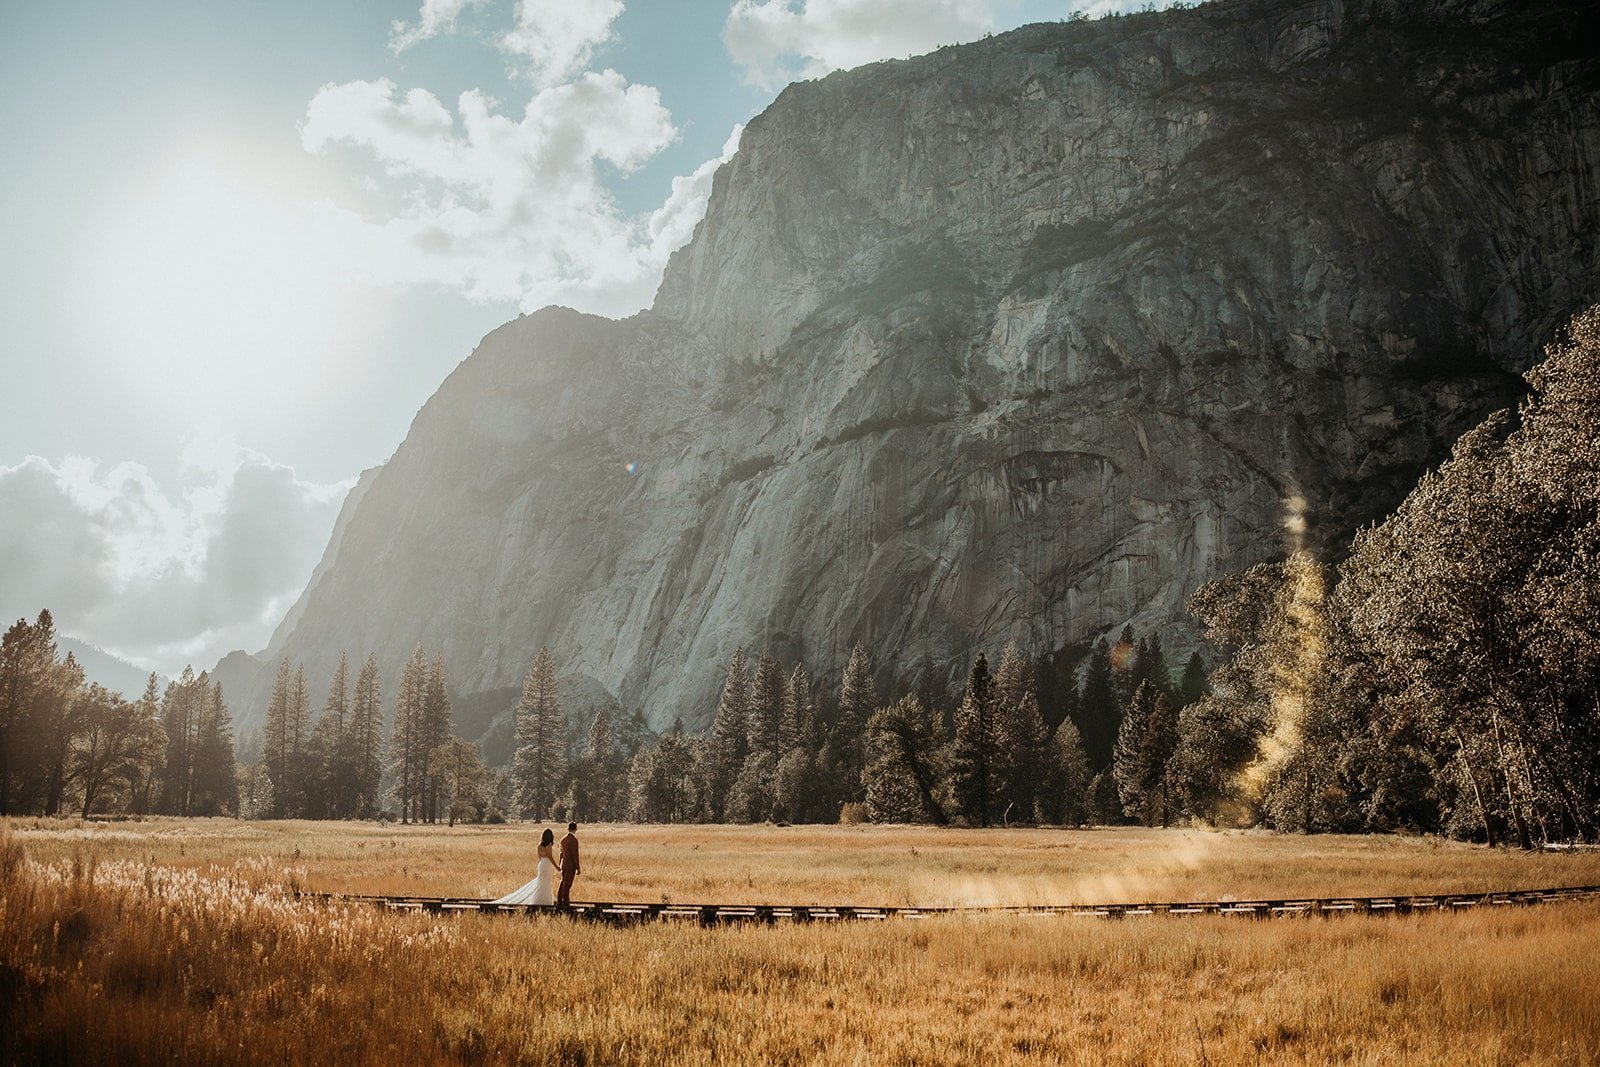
{"x": 569, "y": 868}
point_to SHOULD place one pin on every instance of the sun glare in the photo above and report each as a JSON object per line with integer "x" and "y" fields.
{"x": 214, "y": 290}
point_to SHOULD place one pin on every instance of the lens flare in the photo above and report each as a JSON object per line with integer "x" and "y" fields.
{"x": 1298, "y": 653}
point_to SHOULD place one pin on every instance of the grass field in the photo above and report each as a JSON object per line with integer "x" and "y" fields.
{"x": 168, "y": 940}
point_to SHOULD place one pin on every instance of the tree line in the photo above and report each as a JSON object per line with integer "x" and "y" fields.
{"x": 64, "y": 741}
{"x": 775, "y": 751}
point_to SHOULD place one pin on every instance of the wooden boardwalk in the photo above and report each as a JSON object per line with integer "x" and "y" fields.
{"x": 716, "y": 914}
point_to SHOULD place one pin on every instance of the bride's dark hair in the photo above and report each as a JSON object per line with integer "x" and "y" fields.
{"x": 548, "y": 837}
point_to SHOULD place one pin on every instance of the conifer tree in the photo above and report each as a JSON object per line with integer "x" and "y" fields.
{"x": 1144, "y": 750}
{"x": 1127, "y": 761}
{"x": 300, "y": 769}
{"x": 1069, "y": 778}
{"x": 215, "y": 787}
{"x": 277, "y": 745}
{"x": 143, "y": 774}
{"x": 436, "y": 719}
{"x": 767, "y": 699}
{"x": 728, "y": 743}
{"x": 181, "y": 712}
{"x": 593, "y": 795}
{"x": 858, "y": 698}
{"x": 1020, "y": 738}
{"x": 903, "y": 772}
{"x": 1124, "y": 658}
{"x": 660, "y": 780}
{"x": 799, "y": 729}
{"x": 1099, "y": 710}
{"x": 1152, "y": 666}
{"x": 365, "y": 740}
{"x": 539, "y": 764}
{"x": 1194, "y": 683}
{"x": 465, "y": 786}
{"x": 1027, "y": 743}
{"x": 972, "y": 774}
{"x": 56, "y": 725}
{"x": 406, "y": 752}
{"x": 1160, "y": 744}
{"x": 336, "y": 773}
{"x": 19, "y": 674}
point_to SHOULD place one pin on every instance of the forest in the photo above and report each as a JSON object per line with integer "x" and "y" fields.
{"x": 1442, "y": 676}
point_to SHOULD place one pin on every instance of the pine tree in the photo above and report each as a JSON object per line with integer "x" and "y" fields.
{"x": 539, "y": 764}
{"x": 277, "y": 745}
{"x": 1153, "y": 666}
{"x": 1144, "y": 750}
{"x": 1070, "y": 778}
{"x": 181, "y": 712}
{"x": 1124, "y": 666}
{"x": 972, "y": 774}
{"x": 255, "y": 791}
{"x": 903, "y": 772}
{"x": 1020, "y": 738}
{"x": 436, "y": 723}
{"x": 300, "y": 768}
{"x": 337, "y": 774}
{"x": 767, "y": 700}
{"x": 858, "y": 698}
{"x": 142, "y": 775}
{"x": 660, "y": 780}
{"x": 728, "y": 743}
{"x": 1160, "y": 743}
{"x": 1099, "y": 711}
{"x": 406, "y": 752}
{"x": 465, "y": 786}
{"x": 20, "y": 674}
{"x": 1127, "y": 761}
{"x": 1195, "y": 683}
{"x": 799, "y": 729}
{"x": 595, "y": 785}
{"x": 215, "y": 788}
{"x": 365, "y": 740}
{"x": 54, "y": 722}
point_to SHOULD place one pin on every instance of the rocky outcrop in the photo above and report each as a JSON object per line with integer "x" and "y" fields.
{"x": 1017, "y": 341}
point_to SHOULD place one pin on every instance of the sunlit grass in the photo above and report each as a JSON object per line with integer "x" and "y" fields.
{"x": 183, "y": 942}
{"x": 870, "y": 865}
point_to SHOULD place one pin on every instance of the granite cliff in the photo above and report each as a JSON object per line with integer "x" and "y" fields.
{"x": 1016, "y": 341}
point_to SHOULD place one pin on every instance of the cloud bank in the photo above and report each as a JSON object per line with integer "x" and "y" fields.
{"x": 436, "y": 17}
{"x": 779, "y": 41}
{"x": 506, "y": 207}
{"x": 556, "y": 39}
{"x": 162, "y": 579}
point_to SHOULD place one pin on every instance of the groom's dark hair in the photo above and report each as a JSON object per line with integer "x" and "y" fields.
{"x": 572, "y": 827}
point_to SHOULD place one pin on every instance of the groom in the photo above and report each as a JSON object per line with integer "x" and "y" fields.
{"x": 569, "y": 865}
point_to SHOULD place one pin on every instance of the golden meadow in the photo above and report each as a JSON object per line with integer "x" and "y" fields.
{"x": 168, "y": 940}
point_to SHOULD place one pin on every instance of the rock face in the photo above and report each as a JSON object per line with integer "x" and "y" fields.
{"x": 1018, "y": 341}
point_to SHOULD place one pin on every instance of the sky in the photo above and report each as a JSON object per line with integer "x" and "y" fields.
{"x": 241, "y": 244}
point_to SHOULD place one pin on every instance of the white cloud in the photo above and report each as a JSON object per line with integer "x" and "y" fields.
{"x": 557, "y": 38}
{"x": 506, "y": 208}
{"x": 162, "y": 579}
{"x": 434, "y": 18}
{"x": 777, "y": 41}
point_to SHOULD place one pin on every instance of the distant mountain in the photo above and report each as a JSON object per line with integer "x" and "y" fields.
{"x": 102, "y": 667}
{"x": 1021, "y": 340}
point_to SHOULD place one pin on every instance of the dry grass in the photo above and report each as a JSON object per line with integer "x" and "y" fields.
{"x": 178, "y": 942}
{"x": 825, "y": 864}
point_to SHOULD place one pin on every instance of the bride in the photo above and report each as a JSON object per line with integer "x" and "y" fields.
{"x": 542, "y": 889}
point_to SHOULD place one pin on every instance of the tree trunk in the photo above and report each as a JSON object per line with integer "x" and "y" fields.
{"x": 1477, "y": 794}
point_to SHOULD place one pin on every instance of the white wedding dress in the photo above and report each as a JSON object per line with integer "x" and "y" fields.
{"x": 541, "y": 890}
